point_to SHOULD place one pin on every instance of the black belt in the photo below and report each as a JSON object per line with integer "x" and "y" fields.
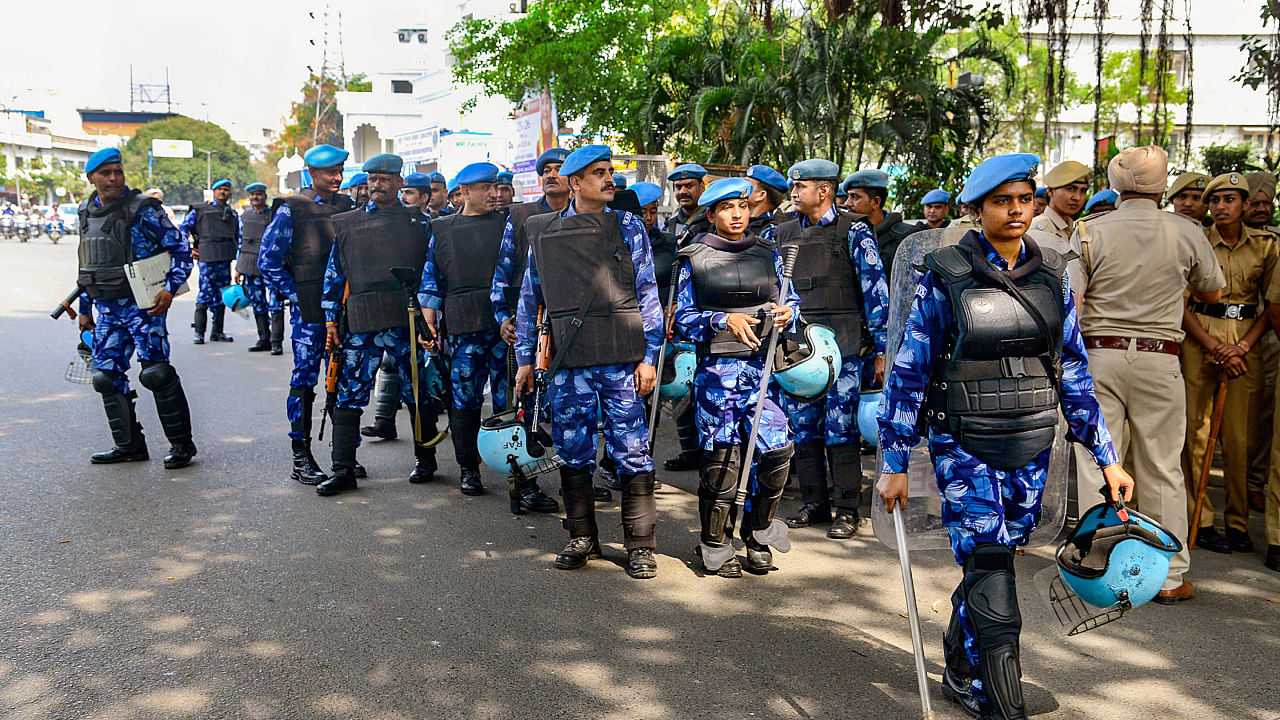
{"x": 1226, "y": 311}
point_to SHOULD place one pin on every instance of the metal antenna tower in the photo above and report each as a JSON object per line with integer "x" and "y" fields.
{"x": 149, "y": 94}
{"x": 332, "y": 60}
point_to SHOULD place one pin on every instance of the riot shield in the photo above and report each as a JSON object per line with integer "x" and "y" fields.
{"x": 923, "y": 514}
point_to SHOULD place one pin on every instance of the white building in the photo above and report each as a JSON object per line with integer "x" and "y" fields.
{"x": 1224, "y": 111}
{"x": 415, "y": 99}
{"x": 27, "y": 141}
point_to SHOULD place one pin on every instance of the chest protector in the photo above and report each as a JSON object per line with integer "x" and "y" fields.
{"x": 758, "y": 225}
{"x": 583, "y": 257}
{"x": 827, "y": 282}
{"x": 995, "y": 384}
{"x": 664, "y": 259}
{"x": 215, "y": 232}
{"x": 520, "y": 257}
{"x": 253, "y": 225}
{"x": 466, "y": 255}
{"x": 106, "y": 245}
{"x": 309, "y": 250}
{"x": 734, "y": 282}
{"x": 369, "y": 245}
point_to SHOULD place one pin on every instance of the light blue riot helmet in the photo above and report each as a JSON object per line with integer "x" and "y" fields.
{"x": 506, "y": 445}
{"x": 1116, "y": 557}
{"x": 234, "y": 298}
{"x": 677, "y": 371}
{"x": 806, "y": 366}
{"x": 868, "y": 428}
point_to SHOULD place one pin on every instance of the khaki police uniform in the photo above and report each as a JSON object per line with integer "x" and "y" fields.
{"x": 1054, "y": 224}
{"x": 1136, "y": 262}
{"x": 1272, "y": 515}
{"x": 1248, "y": 268}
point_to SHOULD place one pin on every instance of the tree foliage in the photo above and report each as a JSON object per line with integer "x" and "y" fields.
{"x": 1219, "y": 159}
{"x": 300, "y": 131}
{"x": 43, "y": 176}
{"x": 1127, "y": 93}
{"x": 183, "y": 179}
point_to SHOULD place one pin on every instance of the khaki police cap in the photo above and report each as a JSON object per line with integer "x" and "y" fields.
{"x": 1192, "y": 180}
{"x": 1066, "y": 173}
{"x": 1264, "y": 182}
{"x": 1227, "y": 181}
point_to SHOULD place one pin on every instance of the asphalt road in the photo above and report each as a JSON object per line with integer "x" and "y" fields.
{"x": 225, "y": 590}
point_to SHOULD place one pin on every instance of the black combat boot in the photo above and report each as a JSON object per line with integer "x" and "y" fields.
{"x": 466, "y": 426}
{"x": 845, "y": 462}
{"x": 810, "y": 463}
{"x": 424, "y": 465}
{"x": 305, "y": 468}
{"x": 528, "y": 496}
{"x": 957, "y": 675}
{"x": 991, "y": 601}
{"x": 130, "y": 445}
{"x": 717, "y": 485}
{"x": 771, "y": 477}
{"x": 609, "y": 473}
{"x": 277, "y": 333}
{"x": 579, "y": 519}
{"x": 690, "y": 457}
{"x": 639, "y": 518}
{"x": 264, "y": 334}
{"x": 171, "y": 405}
{"x": 200, "y": 323}
{"x": 346, "y": 436}
{"x": 215, "y": 332}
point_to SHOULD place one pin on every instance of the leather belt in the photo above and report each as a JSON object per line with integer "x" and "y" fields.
{"x": 1116, "y": 342}
{"x": 1226, "y": 311}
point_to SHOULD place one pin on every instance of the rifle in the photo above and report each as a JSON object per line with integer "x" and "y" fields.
{"x": 331, "y": 372}
{"x": 541, "y": 363}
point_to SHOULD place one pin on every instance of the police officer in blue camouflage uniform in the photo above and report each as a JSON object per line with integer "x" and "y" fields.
{"x": 769, "y": 189}
{"x": 506, "y": 189}
{"x": 253, "y": 223}
{"x": 994, "y": 305}
{"x": 730, "y": 314}
{"x": 439, "y": 193}
{"x": 369, "y": 241}
{"x": 868, "y": 194}
{"x": 358, "y": 188}
{"x": 454, "y": 197}
{"x": 936, "y": 204}
{"x": 119, "y": 225}
{"x": 455, "y": 286}
{"x": 606, "y": 327}
{"x": 295, "y": 251}
{"x": 214, "y": 231}
{"x": 687, "y": 183}
{"x": 841, "y": 284}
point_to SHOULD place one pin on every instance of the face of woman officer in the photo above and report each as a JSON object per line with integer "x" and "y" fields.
{"x": 730, "y": 218}
{"x": 1006, "y": 212}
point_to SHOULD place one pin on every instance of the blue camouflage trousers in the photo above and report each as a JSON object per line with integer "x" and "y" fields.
{"x": 580, "y": 399}
{"x": 474, "y": 358}
{"x": 362, "y": 354}
{"x": 121, "y": 328}
{"x": 260, "y": 296}
{"x": 983, "y": 505}
{"x": 213, "y": 278}
{"x": 832, "y": 420}
{"x": 307, "y": 340}
{"x": 725, "y": 392}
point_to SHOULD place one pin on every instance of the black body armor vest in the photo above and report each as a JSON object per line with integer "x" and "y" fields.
{"x": 106, "y": 245}
{"x": 309, "y": 250}
{"x": 581, "y": 256}
{"x": 664, "y": 261}
{"x": 759, "y": 224}
{"x": 215, "y": 232}
{"x": 466, "y": 250}
{"x": 995, "y": 384}
{"x": 827, "y": 281}
{"x": 889, "y": 235}
{"x": 253, "y": 225}
{"x": 369, "y": 245}
{"x": 734, "y": 282}
{"x": 520, "y": 258}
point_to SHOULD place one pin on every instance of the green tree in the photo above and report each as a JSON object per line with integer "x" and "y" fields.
{"x": 44, "y": 176}
{"x": 1123, "y": 89}
{"x": 300, "y": 130}
{"x": 1219, "y": 159}
{"x": 183, "y": 179}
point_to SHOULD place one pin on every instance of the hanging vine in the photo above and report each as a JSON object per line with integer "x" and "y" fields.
{"x": 1188, "y": 39}
{"x": 1100, "y": 11}
{"x": 1144, "y": 40}
{"x": 1164, "y": 63}
{"x": 1056, "y": 15}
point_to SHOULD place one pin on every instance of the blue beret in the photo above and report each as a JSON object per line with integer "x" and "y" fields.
{"x": 418, "y": 181}
{"x": 814, "y": 169}
{"x": 451, "y": 186}
{"x": 220, "y": 183}
{"x": 688, "y": 171}
{"x": 1102, "y": 196}
{"x": 1042, "y": 192}
{"x": 385, "y": 164}
{"x": 619, "y": 181}
{"x": 346, "y": 184}
{"x": 506, "y": 178}
{"x": 360, "y": 178}
{"x": 436, "y": 177}
{"x": 100, "y": 158}
{"x": 325, "y": 156}
{"x": 994, "y": 172}
{"x": 768, "y": 176}
{"x": 255, "y": 187}
{"x": 647, "y": 193}
{"x": 841, "y": 192}
{"x": 579, "y": 159}
{"x": 725, "y": 189}
{"x": 481, "y": 172}
{"x": 937, "y": 195}
{"x": 556, "y": 155}
{"x": 869, "y": 178}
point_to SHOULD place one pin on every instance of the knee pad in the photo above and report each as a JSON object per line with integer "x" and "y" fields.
{"x": 720, "y": 469}
{"x": 991, "y": 595}
{"x": 104, "y": 381}
{"x": 157, "y": 375}
{"x": 771, "y": 470}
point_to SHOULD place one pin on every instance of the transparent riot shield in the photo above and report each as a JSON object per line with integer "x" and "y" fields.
{"x": 923, "y": 514}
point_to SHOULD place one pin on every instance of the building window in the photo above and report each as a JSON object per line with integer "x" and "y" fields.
{"x": 401, "y": 86}
{"x": 404, "y": 36}
{"x": 1178, "y": 66}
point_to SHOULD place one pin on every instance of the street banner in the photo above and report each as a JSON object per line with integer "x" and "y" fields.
{"x": 536, "y": 127}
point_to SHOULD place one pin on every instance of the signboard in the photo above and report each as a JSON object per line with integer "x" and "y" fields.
{"x": 171, "y": 148}
{"x": 418, "y": 147}
{"x": 536, "y": 128}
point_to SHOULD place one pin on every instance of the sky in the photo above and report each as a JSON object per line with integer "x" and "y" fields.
{"x": 246, "y": 60}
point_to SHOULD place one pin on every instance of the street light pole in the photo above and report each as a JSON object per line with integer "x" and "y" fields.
{"x": 208, "y": 163}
